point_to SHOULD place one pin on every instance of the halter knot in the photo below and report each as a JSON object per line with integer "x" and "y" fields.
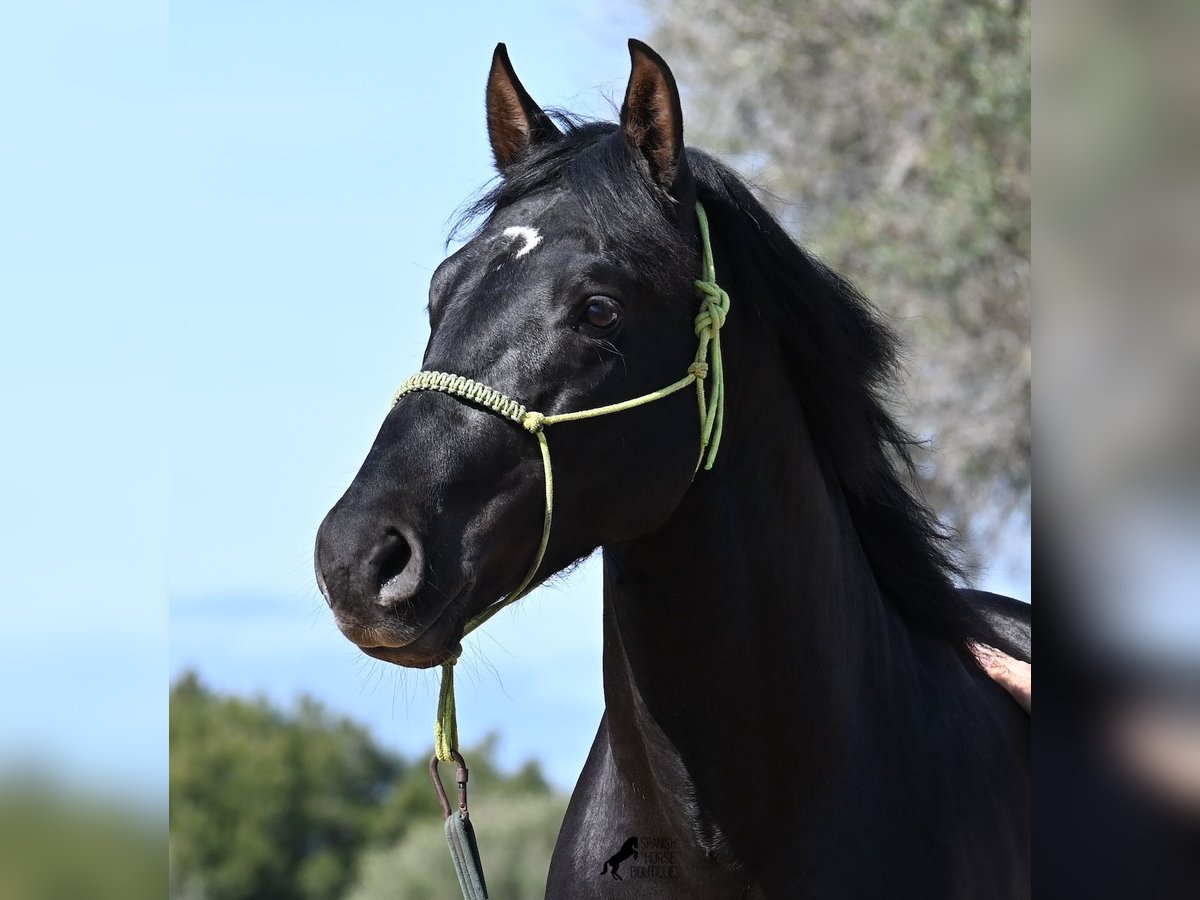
{"x": 533, "y": 421}
{"x": 711, "y": 317}
{"x": 699, "y": 369}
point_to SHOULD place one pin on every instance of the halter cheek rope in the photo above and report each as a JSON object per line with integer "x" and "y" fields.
{"x": 714, "y": 307}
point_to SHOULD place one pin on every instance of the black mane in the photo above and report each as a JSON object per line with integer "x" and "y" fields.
{"x": 844, "y": 359}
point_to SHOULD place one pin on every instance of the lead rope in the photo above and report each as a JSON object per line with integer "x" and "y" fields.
{"x": 714, "y": 307}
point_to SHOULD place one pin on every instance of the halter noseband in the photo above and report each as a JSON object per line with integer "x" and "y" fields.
{"x": 713, "y": 309}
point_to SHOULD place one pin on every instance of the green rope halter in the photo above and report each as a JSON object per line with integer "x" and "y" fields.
{"x": 714, "y": 307}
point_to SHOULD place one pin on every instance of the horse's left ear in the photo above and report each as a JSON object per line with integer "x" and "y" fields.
{"x": 515, "y": 122}
{"x": 652, "y": 116}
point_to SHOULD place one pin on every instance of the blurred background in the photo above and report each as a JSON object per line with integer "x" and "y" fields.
{"x": 219, "y": 220}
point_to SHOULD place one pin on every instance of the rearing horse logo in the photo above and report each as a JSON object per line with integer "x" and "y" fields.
{"x": 628, "y": 849}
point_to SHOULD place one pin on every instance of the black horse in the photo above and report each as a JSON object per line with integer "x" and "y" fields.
{"x": 791, "y": 702}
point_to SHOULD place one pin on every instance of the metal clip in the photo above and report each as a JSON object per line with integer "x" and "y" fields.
{"x": 460, "y": 775}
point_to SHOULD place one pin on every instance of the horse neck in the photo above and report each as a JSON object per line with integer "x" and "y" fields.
{"x": 754, "y": 598}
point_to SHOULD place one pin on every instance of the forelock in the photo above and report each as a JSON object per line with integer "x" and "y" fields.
{"x": 621, "y": 205}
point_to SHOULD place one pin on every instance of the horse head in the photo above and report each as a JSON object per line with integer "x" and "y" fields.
{"x": 577, "y": 291}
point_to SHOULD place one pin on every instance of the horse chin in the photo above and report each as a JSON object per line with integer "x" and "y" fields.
{"x": 438, "y": 643}
{"x": 419, "y": 648}
{"x": 411, "y": 657}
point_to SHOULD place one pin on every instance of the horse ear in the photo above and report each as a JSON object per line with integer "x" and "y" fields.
{"x": 652, "y": 116}
{"x": 515, "y": 122}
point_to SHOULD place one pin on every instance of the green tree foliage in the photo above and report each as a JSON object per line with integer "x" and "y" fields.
{"x": 268, "y": 804}
{"x": 412, "y": 799}
{"x": 894, "y": 137}
{"x": 516, "y": 834}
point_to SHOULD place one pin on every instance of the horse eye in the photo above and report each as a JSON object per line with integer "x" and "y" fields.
{"x": 601, "y": 312}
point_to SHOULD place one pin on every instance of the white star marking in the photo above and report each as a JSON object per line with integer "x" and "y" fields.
{"x": 529, "y": 235}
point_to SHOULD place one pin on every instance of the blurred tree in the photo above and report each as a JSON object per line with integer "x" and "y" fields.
{"x": 899, "y": 130}
{"x": 265, "y": 805}
{"x": 516, "y": 838}
{"x": 412, "y": 799}
{"x": 272, "y": 805}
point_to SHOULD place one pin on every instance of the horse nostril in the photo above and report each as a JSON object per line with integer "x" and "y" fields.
{"x": 398, "y": 568}
{"x": 394, "y": 562}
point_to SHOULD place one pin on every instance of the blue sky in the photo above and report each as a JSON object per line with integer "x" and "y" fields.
{"x": 222, "y": 223}
{"x": 83, "y": 463}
